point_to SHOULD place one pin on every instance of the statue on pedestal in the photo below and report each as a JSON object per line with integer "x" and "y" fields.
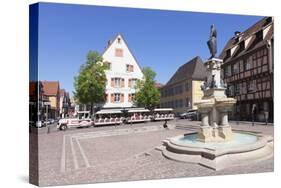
{"x": 212, "y": 42}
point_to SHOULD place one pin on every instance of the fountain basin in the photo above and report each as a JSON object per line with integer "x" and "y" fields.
{"x": 244, "y": 148}
{"x": 225, "y": 104}
{"x": 205, "y": 104}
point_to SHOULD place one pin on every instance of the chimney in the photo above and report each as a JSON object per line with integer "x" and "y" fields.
{"x": 268, "y": 20}
{"x": 237, "y": 36}
{"x": 237, "y": 33}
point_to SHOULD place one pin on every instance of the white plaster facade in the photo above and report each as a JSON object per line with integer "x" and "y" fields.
{"x": 123, "y": 68}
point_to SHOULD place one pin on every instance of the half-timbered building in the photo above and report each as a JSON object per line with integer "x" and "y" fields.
{"x": 248, "y": 71}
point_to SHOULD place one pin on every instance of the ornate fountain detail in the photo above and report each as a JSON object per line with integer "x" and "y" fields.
{"x": 214, "y": 105}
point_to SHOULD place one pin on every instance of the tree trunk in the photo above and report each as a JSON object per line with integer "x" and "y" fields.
{"x": 91, "y": 108}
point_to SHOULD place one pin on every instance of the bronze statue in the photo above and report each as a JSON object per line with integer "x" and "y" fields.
{"x": 212, "y": 42}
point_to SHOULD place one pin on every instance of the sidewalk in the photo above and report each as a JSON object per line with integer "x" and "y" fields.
{"x": 232, "y": 122}
{"x": 43, "y": 130}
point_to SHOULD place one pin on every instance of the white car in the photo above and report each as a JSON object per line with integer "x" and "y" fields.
{"x": 83, "y": 120}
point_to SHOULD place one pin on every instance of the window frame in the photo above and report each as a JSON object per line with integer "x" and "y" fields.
{"x": 115, "y": 97}
{"x": 119, "y": 52}
{"x": 116, "y": 81}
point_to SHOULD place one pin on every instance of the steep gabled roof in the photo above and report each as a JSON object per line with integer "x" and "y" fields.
{"x": 50, "y": 87}
{"x": 113, "y": 40}
{"x": 193, "y": 69}
{"x": 253, "y": 44}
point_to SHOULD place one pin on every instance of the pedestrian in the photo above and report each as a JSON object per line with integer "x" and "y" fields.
{"x": 266, "y": 117}
{"x": 253, "y": 113}
{"x": 165, "y": 124}
{"x": 48, "y": 129}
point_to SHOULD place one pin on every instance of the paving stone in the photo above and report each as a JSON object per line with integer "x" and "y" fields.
{"x": 125, "y": 153}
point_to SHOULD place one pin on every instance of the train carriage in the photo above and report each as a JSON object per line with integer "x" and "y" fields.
{"x": 136, "y": 115}
{"x": 159, "y": 114}
{"x": 108, "y": 117}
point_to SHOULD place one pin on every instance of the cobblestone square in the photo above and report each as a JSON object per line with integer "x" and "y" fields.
{"x": 125, "y": 153}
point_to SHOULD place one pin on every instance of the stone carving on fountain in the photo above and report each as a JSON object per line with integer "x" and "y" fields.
{"x": 215, "y": 105}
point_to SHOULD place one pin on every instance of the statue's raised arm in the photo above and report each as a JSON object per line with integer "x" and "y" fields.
{"x": 212, "y": 42}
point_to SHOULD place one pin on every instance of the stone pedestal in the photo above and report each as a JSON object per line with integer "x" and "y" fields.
{"x": 214, "y": 70}
{"x": 224, "y": 118}
{"x": 205, "y": 134}
{"x": 204, "y": 119}
{"x": 225, "y": 132}
{"x": 215, "y": 133}
{"x": 214, "y": 106}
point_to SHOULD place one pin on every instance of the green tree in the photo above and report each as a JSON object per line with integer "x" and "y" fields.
{"x": 90, "y": 83}
{"x": 147, "y": 94}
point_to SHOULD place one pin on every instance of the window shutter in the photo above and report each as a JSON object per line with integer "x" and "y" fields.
{"x": 112, "y": 98}
{"x": 122, "y": 82}
{"x": 132, "y": 68}
{"x": 130, "y": 98}
{"x": 112, "y": 82}
{"x": 122, "y": 97}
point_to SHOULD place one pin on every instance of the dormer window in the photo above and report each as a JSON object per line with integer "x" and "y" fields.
{"x": 228, "y": 53}
{"x": 242, "y": 45}
{"x": 259, "y": 35}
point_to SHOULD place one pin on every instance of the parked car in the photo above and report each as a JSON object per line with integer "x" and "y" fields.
{"x": 183, "y": 115}
{"x": 48, "y": 122}
{"x": 190, "y": 114}
{"x": 51, "y": 121}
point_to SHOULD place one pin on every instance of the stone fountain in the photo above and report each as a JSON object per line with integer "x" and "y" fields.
{"x": 214, "y": 106}
{"x": 216, "y": 145}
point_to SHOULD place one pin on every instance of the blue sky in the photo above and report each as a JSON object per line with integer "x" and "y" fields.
{"x": 163, "y": 40}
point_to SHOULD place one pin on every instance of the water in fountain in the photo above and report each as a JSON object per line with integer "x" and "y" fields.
{"x": 239, "y": 139}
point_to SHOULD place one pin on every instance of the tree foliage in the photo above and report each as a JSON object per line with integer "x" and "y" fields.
{"x": 90, "y": 83}
{"x": 147, "y": 94}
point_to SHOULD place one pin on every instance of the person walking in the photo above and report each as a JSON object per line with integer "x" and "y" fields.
{"x": 254, "y": 110}
{"x": 266, "y": 117}
{"x": 165, "y": 124}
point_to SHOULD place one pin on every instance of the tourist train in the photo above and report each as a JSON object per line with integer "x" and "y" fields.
{"x": 116, "y": 117}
